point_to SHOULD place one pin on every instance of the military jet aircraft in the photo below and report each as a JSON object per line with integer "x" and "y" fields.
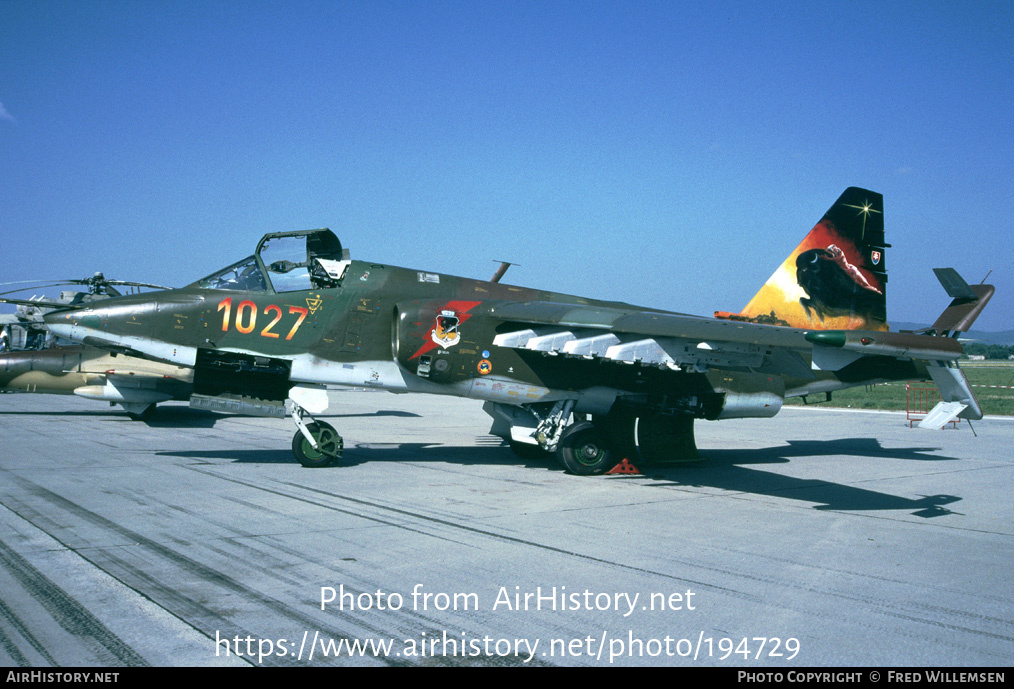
{"x": 591, "y": 381}
{"x": 135, "y": 384}
{"x": 30, "y": 361}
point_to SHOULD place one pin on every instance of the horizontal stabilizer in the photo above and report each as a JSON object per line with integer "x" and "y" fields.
{"x": 954, "y": 284}
{"x": 941, "y": 415}
{"x": 968, "y": 302}
{"x": 885, "y": 344}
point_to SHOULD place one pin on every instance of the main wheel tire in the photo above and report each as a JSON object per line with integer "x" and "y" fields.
{"x": 584, "y": 451}
{"x": 329, "y": 446}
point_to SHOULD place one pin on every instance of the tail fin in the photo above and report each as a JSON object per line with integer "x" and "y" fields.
{"x": 836, "y": 279}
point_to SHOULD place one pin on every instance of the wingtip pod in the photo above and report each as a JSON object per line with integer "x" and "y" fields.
{"x": 836, "y": 279}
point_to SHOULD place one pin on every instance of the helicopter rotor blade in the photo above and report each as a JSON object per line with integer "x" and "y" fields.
{"x": 94, "y": 283}
{"x": 128, "y": 283}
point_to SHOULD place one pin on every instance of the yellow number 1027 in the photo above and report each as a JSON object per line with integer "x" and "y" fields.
{"x": 246, "y": 317}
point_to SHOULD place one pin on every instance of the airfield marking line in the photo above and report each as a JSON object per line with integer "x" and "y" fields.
{"x": 204, "y": 571}
{"x": 456, "y": 526}
{"x": 874, "y": 605}
{"x": 572, "y": 553}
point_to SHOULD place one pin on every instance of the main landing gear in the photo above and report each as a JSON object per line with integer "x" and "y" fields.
{"x": 587, "y": 446}
{"x": 585, "y": 451}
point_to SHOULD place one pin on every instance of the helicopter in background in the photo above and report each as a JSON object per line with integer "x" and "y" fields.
{"x": 33, "y": 360}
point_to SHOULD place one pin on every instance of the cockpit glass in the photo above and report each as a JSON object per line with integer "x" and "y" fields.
{"x": 244, "y": 275}
{"x": 286, "y": 261}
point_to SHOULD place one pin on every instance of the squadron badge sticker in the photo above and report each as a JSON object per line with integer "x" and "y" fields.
{"x": 445, "y": 332}
{"x": 445, "y": 329}
{"x": 485, "y": 366}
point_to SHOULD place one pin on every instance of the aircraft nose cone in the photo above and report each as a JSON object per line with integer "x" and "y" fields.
{"x": 100, "y": 320}
{"x": 127, "y": 325}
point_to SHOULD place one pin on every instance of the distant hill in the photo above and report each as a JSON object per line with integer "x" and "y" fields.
{"x": 1002, "y": 337}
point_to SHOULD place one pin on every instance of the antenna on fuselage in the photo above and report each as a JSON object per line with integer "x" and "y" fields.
{"x": 504, "y": 265}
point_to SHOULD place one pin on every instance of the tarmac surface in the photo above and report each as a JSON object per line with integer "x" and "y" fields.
{"x": 817, "y": 538}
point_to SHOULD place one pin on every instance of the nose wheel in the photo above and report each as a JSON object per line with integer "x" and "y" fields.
{"x": 328, "y": 450}
{"x": 316, "y": 444}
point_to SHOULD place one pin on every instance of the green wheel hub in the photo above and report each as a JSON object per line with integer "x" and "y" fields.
{"x": 329, "y": 446}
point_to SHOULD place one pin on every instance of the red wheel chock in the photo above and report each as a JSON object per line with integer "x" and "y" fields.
{"x": 624, "y": 467}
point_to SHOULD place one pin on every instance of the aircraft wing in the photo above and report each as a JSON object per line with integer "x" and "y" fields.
{"x": 627, "y": 335}
{"x": 654, "y": 338}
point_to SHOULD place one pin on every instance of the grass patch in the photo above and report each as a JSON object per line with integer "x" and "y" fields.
{"x": 894, "y": 396}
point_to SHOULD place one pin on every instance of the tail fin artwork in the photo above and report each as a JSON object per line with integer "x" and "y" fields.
{"x": 836, "y": 279}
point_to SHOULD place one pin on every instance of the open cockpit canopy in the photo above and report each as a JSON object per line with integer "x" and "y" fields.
{"x": 286, "y": 262}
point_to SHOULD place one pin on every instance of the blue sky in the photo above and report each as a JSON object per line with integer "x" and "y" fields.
{"x": 669, "y": 154}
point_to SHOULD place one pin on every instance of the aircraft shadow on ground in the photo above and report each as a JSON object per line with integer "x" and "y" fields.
{"x": 169, "y": 417}
{"x": 186, "y": 417}
{"x": 726, "y": 470}
{"x": 491, "y": 453}
{"x": 172, "y": 416}
{"x": 731, "y": 470}
{"x": 48, "y": 412}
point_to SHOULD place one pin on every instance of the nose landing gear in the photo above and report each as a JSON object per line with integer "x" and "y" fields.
{"x": 322, "y": 449}
{"x": 315, "y": 444}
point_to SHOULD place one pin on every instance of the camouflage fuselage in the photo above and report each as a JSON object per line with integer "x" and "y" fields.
{"x": 408, "y": 330}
